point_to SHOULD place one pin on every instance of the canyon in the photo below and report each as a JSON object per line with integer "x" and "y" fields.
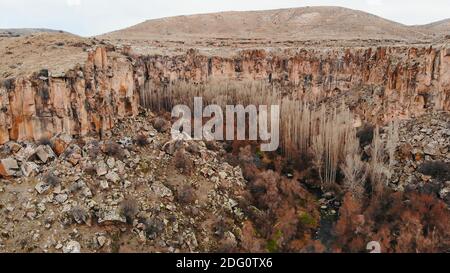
{"x": 85, "y": 135}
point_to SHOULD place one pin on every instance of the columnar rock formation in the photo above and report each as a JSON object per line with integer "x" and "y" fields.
{"x": 85, "y": 100}
{"x": 386, "y": 82}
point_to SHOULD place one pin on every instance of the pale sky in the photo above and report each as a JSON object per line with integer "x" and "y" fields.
{"x": 92, "y": 17}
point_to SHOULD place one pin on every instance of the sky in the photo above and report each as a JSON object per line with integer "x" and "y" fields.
{"x": 93, "y": 17}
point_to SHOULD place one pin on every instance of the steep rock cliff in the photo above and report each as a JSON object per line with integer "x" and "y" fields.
{"x": 86, "y": 99}
{"x": 379, "y": 84}
{"x": 384, "y": 82}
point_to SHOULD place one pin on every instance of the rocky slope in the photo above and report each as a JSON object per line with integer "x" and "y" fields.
{"x": 440, "y": 28}
{"x": 117, "y": 195}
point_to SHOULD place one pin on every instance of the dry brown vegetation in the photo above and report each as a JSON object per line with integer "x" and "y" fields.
{"x": 183, "y": 162}
{"x": 405, "y": 223}
{"x": 283, "y": 215}
{"x": 323, "y": 145}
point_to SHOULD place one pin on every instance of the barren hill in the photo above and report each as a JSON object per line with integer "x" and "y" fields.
{"x": 315, "y": 23}
{"x": 17, "y": 32}
{"x": 31, "y": 53}
{"x": 438, "y": 28}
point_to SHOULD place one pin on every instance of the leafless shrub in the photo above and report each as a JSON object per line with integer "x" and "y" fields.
{"x": 183, "y": 162}
{"x": 186, "y": 195}
{"x": 377, "y": 166}
{"x": 129, "y": 208}
{"x": 79, "y": 215}
{"x": 113, "y": 149}
{"x": 392, "y": 143}
{"x": 332, "y": 133}
{"x": 154, "y": 227}
{"x": 193, "y": 148}
{"x": 161, "y": 125}
{"x": 141, "y": 140}
{"x": 436, "y": 169}
{"x": 354, "y": 168}
{"x": 52, "y": 180}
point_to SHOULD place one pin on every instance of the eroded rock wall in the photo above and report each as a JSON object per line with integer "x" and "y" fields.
{"x": 384, "y": 82}
{"x": 87, "y": 99}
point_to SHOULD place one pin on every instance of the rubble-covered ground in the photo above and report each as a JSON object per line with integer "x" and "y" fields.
{"x": 125, "y": 193}
{"x": 424, "y": 156}
{"x": 134, "y": 189}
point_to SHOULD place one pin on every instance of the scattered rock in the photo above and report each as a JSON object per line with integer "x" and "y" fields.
{"x": 111, "y": 162}
{"x": 25, "y": 154}
{"x": 160, "y": 190}
{"x": 111, "y": 216}
{"x": 104, "y": 185}
{"x": 432, "y": 148}
{"x": 42, "y": 187}
{"x": 45, "y": 153}
{"x": 72, "y": 247}
{"x": 61, "y": 198}
{"x": 101, "y": 240}
{"x": 113, "y": 177}
{"x": 60, "y": 143}
{"x": 101, "y": 169}
{"x": 29, "y": 169}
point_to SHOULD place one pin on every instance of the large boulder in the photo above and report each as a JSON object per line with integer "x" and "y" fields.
{"x": 8, "y": 167}
{"x": 29, "y": 169}
{"x": 45, "y": 153}
{"x": 60, "y": 143}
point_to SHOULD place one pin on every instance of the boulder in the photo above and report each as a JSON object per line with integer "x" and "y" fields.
{"x": 42, "y": 187}
{"x": 160, "y": 190}
{"x": 101, "y": 168}
{"x": 29, "y": 169}
{"x": 112, "y": 177}
{"x": 8, "y": 167}
{"x": 432, "y": 148}
{"x": 111, "y": 216}
{"x": 13, "y": 146}
{"x": 60, "y": 143}
{"x": 25, "y": 153}
{"x": 74, "y": 159}
{"x": 72, "y": 247}
{"x": 45, "y": 153}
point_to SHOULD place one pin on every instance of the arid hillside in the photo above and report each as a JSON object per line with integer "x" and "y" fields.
{"x": 56, "y": 52}
{"x": 222, "y": 33}
{"x": 438, "y": 28}
{"x": 320, "y": 23}
{"x": 17, "y": 32}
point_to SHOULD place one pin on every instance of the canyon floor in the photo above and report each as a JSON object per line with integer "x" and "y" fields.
{"x": 87, "y": 163}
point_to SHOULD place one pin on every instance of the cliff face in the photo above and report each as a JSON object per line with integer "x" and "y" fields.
{"x": 382, "y": 83}
{"x": 87, "y": 99}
